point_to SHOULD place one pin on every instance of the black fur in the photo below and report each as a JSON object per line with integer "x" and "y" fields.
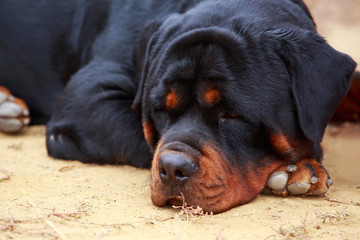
{"x": 100, "y": 68}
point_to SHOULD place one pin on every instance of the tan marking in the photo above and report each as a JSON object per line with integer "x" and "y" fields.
{"x": 212, "y": 96}
{"x": 281, "y": 143}
{"x": 172, "y": 100}
{"x": 158, "y": 189}
{"x": 215, "y": 186}
{"x": 5, "y": 90}
{"x": 283, "y": 146}
{"x": 148, "y": 128}
{"x": 240, "y": 185}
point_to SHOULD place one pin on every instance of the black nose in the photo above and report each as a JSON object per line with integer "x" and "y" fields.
{"x": 176, "y": 168}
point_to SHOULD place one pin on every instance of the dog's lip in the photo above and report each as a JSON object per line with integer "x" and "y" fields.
{"x": 176, "y": 200}
{"x": 175, "y": 196}
{"x": 164, "y": 199}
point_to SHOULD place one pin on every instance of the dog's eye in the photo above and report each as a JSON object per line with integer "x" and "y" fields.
{"x": 229, "y": 116}
{"x": 159, "y": 110}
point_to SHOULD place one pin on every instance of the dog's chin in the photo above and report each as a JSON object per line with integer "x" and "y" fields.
{"x": 173, "y": 197}
{"x": 194, "y": 201}
{"x": 176, "y": 201}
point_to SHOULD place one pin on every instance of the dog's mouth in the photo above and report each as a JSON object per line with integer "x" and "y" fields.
{"x": 203, "y": 180}
{"x": 173, "y": 195}
{"x": 176, "y": 200}
{"x": 207, "y": 181}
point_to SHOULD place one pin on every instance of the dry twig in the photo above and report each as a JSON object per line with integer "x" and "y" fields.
{"x": 190, "y": 211}
{"x": 337, "y": 216}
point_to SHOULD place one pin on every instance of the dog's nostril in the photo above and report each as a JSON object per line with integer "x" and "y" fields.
{"x": 175, "y": 168}
{"x": 179, "y": 174}
{"x": 162, "y": 174}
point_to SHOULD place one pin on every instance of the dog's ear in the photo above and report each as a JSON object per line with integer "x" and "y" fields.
{"x": 146, "y": 40}
{"x": 320, "y": 77}
{"x": 142, "y": 55}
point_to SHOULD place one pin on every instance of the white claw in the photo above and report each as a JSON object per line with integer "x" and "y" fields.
{"x": 26, "y": 112}
{"x": 26, "y": 121}
{"x": 291, "y": 168}
{"x": 314, "y": 180}
{"x": 52, "y": 137}
{"x": 329, "y": 182}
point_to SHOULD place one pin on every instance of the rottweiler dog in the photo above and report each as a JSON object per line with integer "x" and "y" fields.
{"x": 222, "y": 99}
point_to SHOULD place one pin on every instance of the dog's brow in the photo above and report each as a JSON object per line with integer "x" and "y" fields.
{"x": 172, "y": 100}
{"x": 181, "y": 69}
{"x": 212, "y": 96}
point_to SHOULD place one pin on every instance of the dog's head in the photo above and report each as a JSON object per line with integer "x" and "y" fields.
{"x": 226, "y": 101}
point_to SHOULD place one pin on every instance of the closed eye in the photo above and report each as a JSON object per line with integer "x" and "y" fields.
{"x": 229, "y": 116}
{"x": 159, "y": 110}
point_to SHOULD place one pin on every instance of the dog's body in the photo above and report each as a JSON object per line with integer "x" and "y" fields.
{"x": 225, "y": 92}
{"x": 92, "y": 44}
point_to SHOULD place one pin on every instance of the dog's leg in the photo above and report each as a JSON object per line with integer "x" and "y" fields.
{"x": 93, "y": 120}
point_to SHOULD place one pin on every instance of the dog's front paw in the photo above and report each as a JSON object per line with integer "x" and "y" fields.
{"x": 14, "y": 113}
{"x": 307, "y": 177}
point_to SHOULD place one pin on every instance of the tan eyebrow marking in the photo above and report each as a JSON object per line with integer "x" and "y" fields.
{"x": 212, "y": 96}
{"x": 172, "y": 100}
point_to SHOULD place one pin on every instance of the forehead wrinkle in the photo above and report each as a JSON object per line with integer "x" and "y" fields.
{"x": 179, "y": 69}
{"x": 157, "y": 93}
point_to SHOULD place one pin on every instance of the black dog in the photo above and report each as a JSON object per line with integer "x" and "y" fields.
{"x": 219, "y": 94}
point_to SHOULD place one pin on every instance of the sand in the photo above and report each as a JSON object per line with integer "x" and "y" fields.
{"x": 44, "y": 198}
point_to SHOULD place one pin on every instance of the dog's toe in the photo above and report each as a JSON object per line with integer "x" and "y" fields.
{"x": 14, "y": 113}
{"x": 3, "y": 97}
{"x": 278, "y": 181}
{"x": 298, "y": 188}
{"x": 307, "y": 177}
{"x": 10, "y": 110}
{"x": 10, "y": 125}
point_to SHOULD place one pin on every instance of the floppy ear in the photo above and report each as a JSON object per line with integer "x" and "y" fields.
{"x": 320, "y": 77}
{"x": 146, "y": 40}
{"x": 142, "y": 53}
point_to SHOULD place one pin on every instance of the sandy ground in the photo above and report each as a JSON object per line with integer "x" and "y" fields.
{"x": 43, "y": 198}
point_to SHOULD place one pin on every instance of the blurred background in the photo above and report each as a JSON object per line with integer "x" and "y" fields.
{"x": 339, "y": 22}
